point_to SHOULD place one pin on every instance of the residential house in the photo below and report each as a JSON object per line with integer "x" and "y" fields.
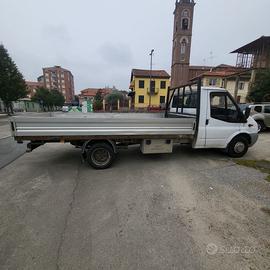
{"x": 143, "y": 95}
{"x": 90, "y": 93}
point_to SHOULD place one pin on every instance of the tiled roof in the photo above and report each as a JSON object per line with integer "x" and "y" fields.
{"x": 91, "y": 92}
{"x": 29, "y": 83}
{"x": 200, "y": 67}
{"x": 146, "y": 73}
{"x": 215, "y": 74}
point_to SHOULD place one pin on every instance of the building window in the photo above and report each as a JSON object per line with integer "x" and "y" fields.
{"x": 183, "y": 46}
{"x": 185, "y": 24}
{"x": 141, "y": 84}
{"x": 163, "y": 85}
{"x": 153, "y": 87}
{"x": 223, "y": 84}
{"x": 185, "y": 13}
{"x": 141, "y": 99}
{"x": 241, "y": 86}
{"x": 213, "y": 82}
{"x": 162, "y": 99}
{"x": 267, "y": 109}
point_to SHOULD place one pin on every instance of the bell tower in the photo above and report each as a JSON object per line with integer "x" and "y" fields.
{"x": 182, "y": 34}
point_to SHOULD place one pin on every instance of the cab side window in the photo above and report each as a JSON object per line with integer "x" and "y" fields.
{"x": 223, "y": 108}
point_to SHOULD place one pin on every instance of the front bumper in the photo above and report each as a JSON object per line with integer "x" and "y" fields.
{"x": 254, "y": 138}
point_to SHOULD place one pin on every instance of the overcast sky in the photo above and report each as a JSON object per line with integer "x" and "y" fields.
{"x": 101, "y": 41}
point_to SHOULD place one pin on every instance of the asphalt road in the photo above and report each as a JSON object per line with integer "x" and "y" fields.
{"x": 10, "y": 151}
{"x": 188, "y": 210}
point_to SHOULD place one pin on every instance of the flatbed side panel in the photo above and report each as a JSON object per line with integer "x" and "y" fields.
{"x": 27, "y": 127}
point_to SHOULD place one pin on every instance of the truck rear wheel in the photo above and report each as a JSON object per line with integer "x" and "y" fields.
{"x": 238, "y": 147}
{"x": 100, "y": 156}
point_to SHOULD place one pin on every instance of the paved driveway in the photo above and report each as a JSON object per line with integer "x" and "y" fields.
{"x": 188, "y": 210}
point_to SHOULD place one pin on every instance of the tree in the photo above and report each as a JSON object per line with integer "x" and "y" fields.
{"x": 12, "y": 84}
{"x": 42, "y": 96}
{"x": 98, "y": 101}
{"x": 113, "y": 98}
{"x": 260, "y": 90}
{"x": 57, "y": 98}
{"x": 48, "y": 99}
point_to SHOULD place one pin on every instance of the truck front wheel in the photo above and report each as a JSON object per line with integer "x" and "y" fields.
{"x": 100, "y": 156}
{"x": 238, "y": 147}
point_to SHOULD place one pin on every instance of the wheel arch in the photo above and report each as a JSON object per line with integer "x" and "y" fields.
{"x": 92, "y": 142}
{"x": 243, "y": 135}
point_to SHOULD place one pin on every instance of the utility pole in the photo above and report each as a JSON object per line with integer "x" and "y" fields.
{"x": 151, "y": 69}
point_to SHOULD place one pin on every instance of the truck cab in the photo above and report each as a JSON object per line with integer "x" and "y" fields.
{"x": 219, "y": 121}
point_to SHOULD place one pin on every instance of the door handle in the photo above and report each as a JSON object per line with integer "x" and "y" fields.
{"x": 207, "y": 122}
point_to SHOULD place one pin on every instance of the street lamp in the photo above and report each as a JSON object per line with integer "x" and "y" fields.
{"x": 151, "y": 68}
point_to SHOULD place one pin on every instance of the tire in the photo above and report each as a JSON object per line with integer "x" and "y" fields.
{"x": 100, "y": 156}
{"x": 261, "y": 125}
{"x": 238, "y": 147}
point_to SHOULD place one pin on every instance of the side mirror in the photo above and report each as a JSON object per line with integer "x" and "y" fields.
{"x": 247, "y": 112}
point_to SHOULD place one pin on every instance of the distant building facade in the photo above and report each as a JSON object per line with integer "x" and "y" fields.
{"x": 90, "y": 93}
{"x": 144, "y": 95}
{"x": 60, "y": 79}
{"x": 32, "y": 87}
{"x": 26, "y": 105}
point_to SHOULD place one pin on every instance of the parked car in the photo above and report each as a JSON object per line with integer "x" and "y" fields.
{"x": 261, "y": 114}
{"x": 243, "y": 106}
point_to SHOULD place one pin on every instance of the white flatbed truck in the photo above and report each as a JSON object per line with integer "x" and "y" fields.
{"x": 204, "y": 117}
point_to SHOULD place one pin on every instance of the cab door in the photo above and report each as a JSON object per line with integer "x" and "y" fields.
{"x": 224, "y": 119}
{"x": 267, "y": 115}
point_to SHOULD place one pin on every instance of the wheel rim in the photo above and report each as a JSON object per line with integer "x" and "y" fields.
{"x": 239, "y": 147}
{"x": 100, "y": 156}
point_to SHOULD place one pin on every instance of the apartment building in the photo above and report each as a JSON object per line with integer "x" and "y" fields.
{"x": 60, "y": 79}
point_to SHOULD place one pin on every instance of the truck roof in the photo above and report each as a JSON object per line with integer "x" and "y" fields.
{"x": 213, "y": 88}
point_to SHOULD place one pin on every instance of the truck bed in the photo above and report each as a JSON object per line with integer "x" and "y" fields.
{"x": 96, "y": 124}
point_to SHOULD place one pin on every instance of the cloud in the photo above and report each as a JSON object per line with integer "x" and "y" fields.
{"x": 57, "y": 33}
{"x": 116, "y": 54}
